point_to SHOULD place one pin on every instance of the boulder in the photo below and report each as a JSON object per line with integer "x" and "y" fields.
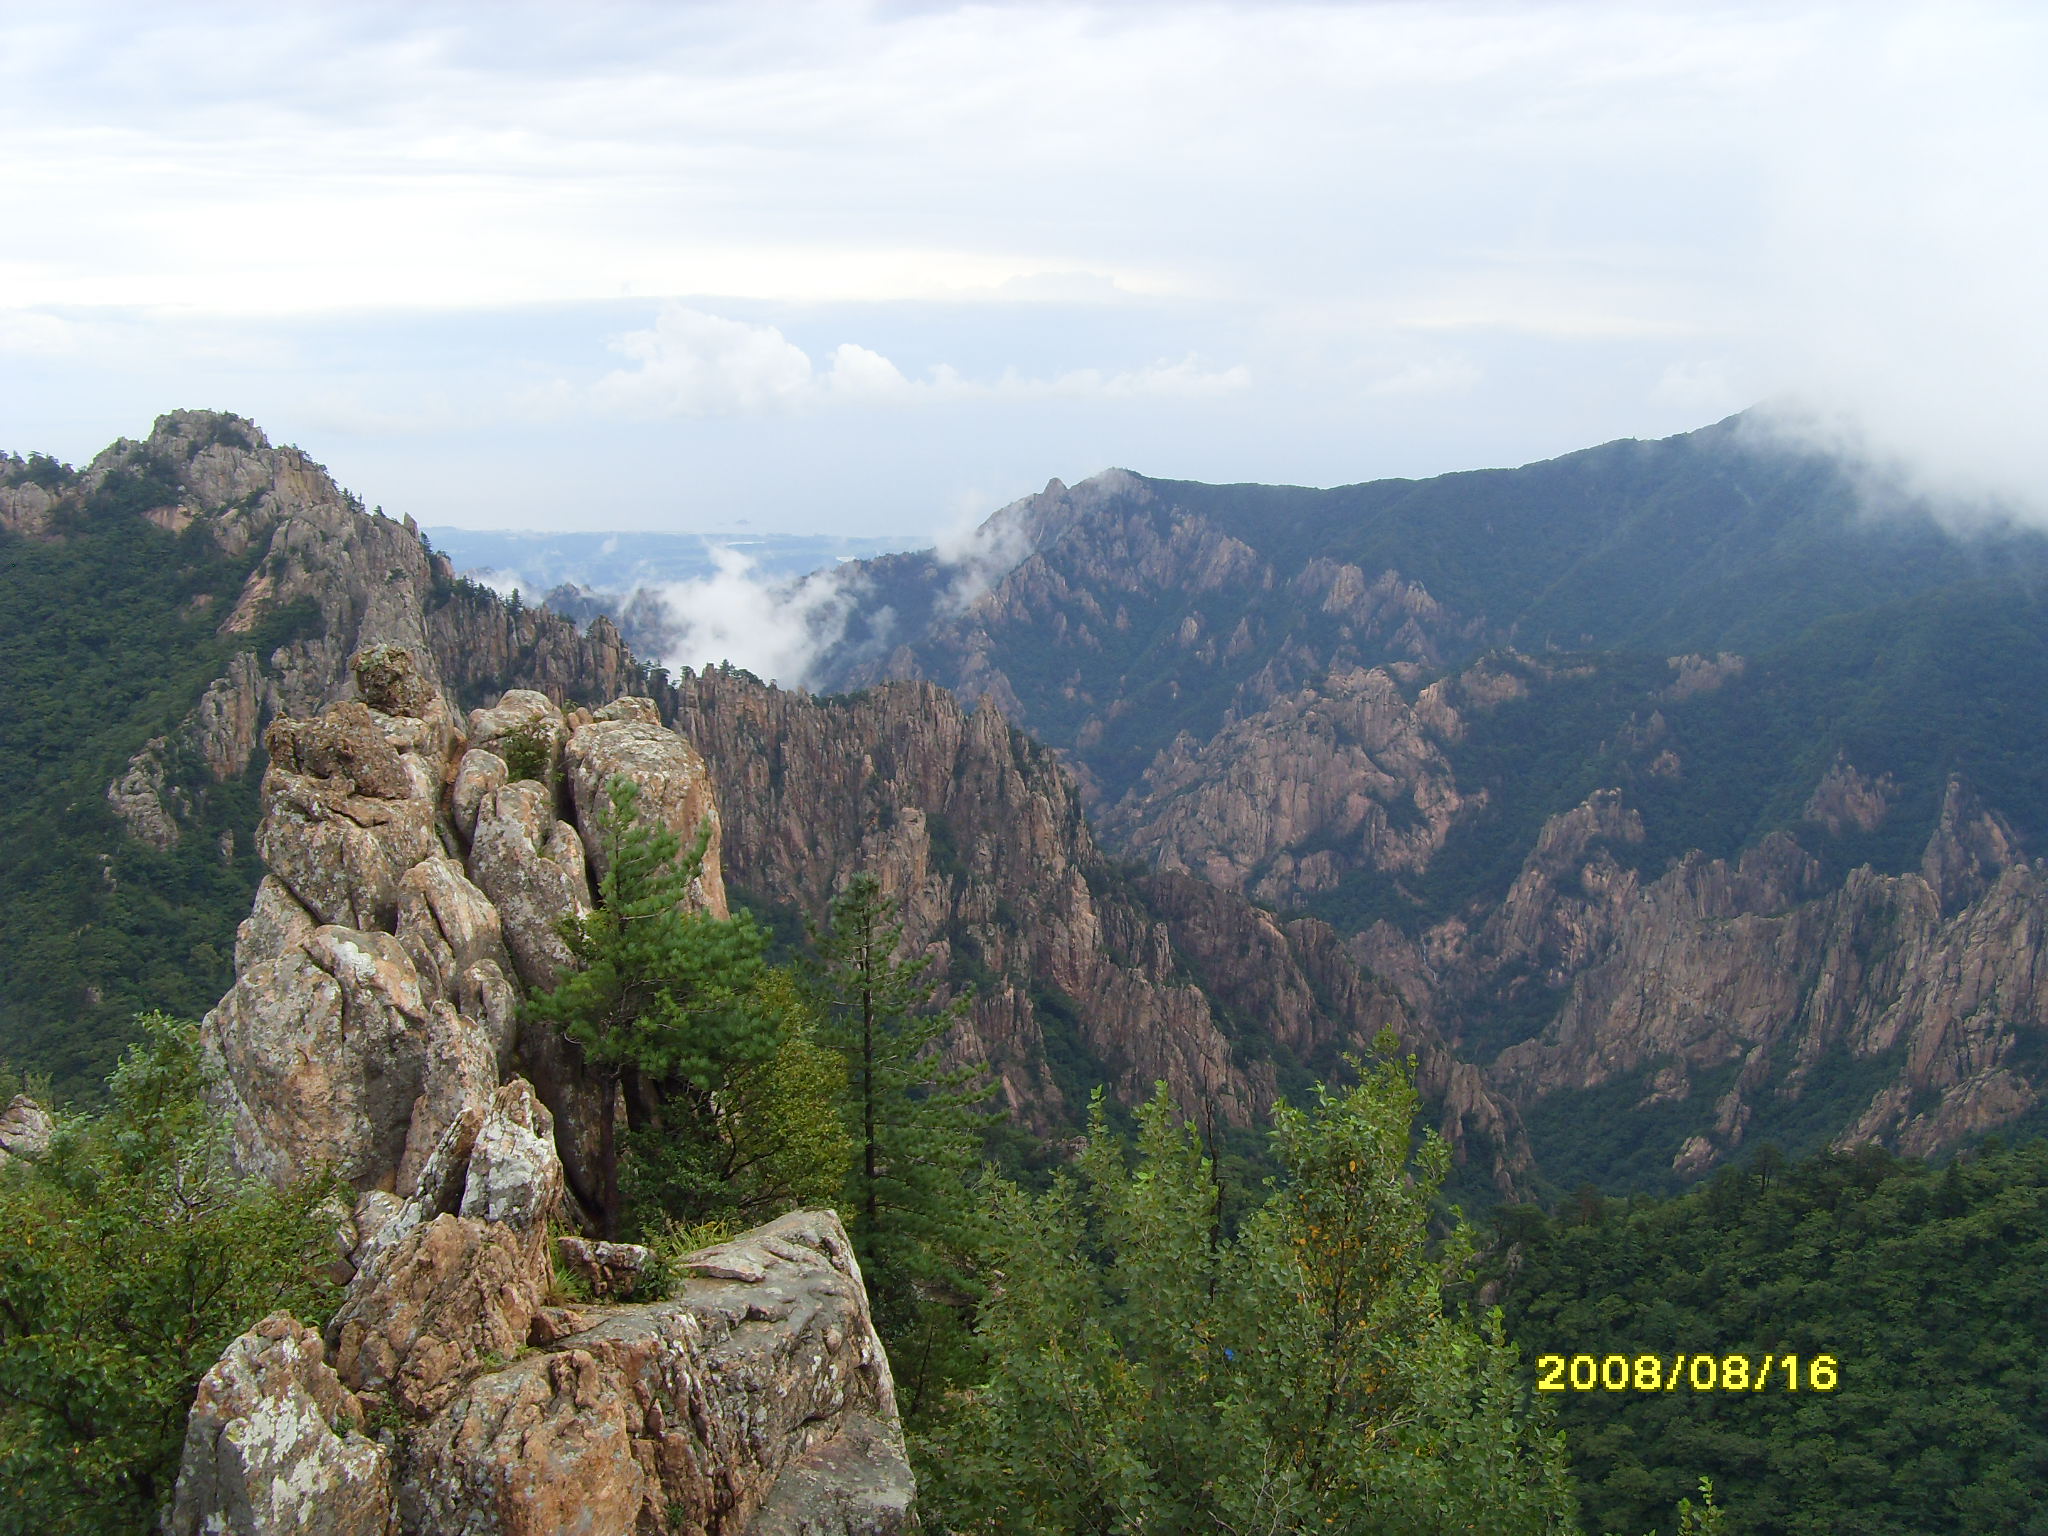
{"x": 525, "y": 730}
{"x": 458, "y": 1079}
{"x": 453, "y": 935}
{"x": 388, "y": 678}
{"x": 443, "y": 1302}
{"x": 608, "y": 1269}
{"x": 274, "y": 1446}
{"x": 320, "y": 1052}
{"x": 732, "y": 1404}
{"x": 675, "y": 789}
{"x": 344, "y": 743}
{"x": 476, "y": 776}
{"x": 25, "y": 1129}
{"x": 438, "y": 1297}
{"x": 515, "y": 1176}
{"x": 342, "y": 854}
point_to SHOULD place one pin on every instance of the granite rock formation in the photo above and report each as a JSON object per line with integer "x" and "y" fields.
{"x": 1082, "y": 973}
{"x": 373, "y": 1029}
{"x": 343, "y": 580}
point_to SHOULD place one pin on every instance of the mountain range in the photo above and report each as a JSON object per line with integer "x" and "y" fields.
{"x": 1666, "y": 798}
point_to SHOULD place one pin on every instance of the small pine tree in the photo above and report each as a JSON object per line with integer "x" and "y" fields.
{"x": 914, "y": 1130}
{"x": 668, "y": 1005}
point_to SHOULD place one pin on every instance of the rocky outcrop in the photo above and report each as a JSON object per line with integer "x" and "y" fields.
{"x": 1081, "y": 974}
{"x": 1760, "y": 975}
{"x": 755, "y": 1398}
{"x": 1349, "y": 774}
{"x": 25, "y": 1129}
{"x": 275, "y": 1446}
{"x": 376, "y": 1000}
{"x": 349, "y": 582}
{"x": 675, "y": 788}
{"x": 739, "y": 1405}
{"x": 530, "y": 864}
{"x": 381, "y": 1048}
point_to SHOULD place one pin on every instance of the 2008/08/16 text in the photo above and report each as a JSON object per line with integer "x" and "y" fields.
{"x": 1696, "y": 1373}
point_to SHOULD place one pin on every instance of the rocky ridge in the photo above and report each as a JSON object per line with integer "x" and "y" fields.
{"x": 413, "y": 891}
{"x": 1293, "y": 694}
{"x": 1081, "y": 973}
{"x": 335, "y": 578}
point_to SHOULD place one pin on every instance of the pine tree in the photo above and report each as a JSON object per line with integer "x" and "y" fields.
{"x": 669, "y": 1005}
{"x": 1151, "y": 1375}
{"x": 913, "y": 1126}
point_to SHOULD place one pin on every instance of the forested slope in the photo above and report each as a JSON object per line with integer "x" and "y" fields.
{"x": 1926, "y": 1290}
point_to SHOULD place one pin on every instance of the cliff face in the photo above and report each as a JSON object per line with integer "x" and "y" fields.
{"x": 413, "y": 892}
{"x": 1081, "y": 973}
{"x": 1918, "y": 1003}
{"x": 1609, "y": 768}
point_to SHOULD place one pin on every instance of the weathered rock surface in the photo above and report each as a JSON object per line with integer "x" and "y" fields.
{"x": 675, "y": 790}
{"x": 738, "y": 1406}
{"x": 25, "y": 1128}
{"x": 1759, "y": 968}
{"x": 761, "y": 1403}
{"x": 369, "y": 587}
{"x": 531, "y": 867}
{"x": 608, "y": 1269}
{"x": 274, "y": 1446}
{"x": 1326, "y": 779}
{"x": 979, "y": 834}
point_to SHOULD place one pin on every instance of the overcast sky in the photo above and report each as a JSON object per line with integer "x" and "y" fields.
{"x": 877, "y": 268}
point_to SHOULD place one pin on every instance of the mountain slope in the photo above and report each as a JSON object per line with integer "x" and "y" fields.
{"x": 240, "y": 581}
{"x": 157, "y": 609}
{"x": 1481, "y": 724}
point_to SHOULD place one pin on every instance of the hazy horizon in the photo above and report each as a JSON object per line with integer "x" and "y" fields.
{"x": 865, "y": 268}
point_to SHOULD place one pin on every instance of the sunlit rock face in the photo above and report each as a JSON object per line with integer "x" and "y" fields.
{"x": 373, "y": 1029}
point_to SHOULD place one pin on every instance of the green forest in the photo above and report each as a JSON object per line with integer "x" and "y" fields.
{"x": 1927, "y": 1286}
{"x": 108, "y": 636}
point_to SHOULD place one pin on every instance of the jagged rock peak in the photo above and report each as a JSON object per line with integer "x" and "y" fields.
{"x": 373, "y": 1029}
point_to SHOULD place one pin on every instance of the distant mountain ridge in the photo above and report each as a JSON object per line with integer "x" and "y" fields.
{"x": 235, "y": 580}
{"x": 1663, "y": 798}
{"x": 1479, "y": 722}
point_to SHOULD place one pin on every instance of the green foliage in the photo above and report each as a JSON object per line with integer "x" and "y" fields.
{"x": 528, "y": 751}
{"x": 1151, "y": 1372}
{"x": 914, "y": 1131}
{"x": 1929, "y": 1285}
{"x": 728, "y": 1096}
{"x": 775, "y": 1141}
{"x": 132, "y": 1256}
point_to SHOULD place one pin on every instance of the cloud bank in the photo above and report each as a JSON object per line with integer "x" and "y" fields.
{"x": 694, "y": 363}
{"x": 774, "y": 629}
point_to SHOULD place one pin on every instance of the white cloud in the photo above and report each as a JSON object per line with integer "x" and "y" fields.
{"x": 1435, "y": 376}
{"x": 692, "y": 363}
{"x": 775, "y": 629}
{"x": 1702, "y": 387}
{"x": 31, "y": 333}
{"x": 1831, "y": 202}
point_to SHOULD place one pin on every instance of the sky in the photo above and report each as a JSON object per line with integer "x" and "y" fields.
{"x": 878, "y": 269}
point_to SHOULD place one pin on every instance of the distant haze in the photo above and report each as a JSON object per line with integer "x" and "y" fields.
{"x": 856, "y": 269}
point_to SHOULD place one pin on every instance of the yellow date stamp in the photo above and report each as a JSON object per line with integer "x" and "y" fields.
{"x": 1687, "y": 1373}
